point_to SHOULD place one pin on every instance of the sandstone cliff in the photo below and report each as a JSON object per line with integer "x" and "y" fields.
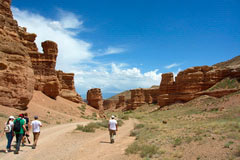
{"x": 191, "y": 83}
{"x": 94, "y": 98}
{"x": 16, "y": 75}
{"x": 67, "y": 88}
{"x": 23, "y": 68}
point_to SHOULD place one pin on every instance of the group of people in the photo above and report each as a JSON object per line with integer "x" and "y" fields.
{"x": 19, "y": 128}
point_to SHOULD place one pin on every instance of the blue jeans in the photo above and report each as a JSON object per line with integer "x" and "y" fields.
{"x": 18, "y": 141}
{"x": 9, "y": 138}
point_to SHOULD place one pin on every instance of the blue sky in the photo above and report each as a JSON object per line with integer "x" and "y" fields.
{"x": 120, "y": 45}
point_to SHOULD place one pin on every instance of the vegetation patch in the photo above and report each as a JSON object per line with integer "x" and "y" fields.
{"x": 144, "y": 150}
{"x": 226, "y": 83}
{"x": 187, "y": 124}
{"x": 4, "y": 115}
{"x": 82, "y": 108}
{"x": 91, "y": 127}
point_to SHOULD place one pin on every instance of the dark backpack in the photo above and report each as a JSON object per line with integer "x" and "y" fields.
{"x": 17, "y": 125}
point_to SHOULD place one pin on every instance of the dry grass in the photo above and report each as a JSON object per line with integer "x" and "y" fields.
{"x": 190, "y": 129}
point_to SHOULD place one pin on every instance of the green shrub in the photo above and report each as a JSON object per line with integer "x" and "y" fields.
{"x": 177, "y": 141}
{"x": 57, "y": 122}
{"x": 125, "y": 117}
{"x": 85, "y": 128}
{"x": 144, "y": 150}
{"x": 139, "y": 126}
{"x": 133, "y": 149}
{"x": 4, "y": 115}
{"x": 148, "y": 150}
{"x": 82, "y": 108}
{"x": 227, "y": 145}
{"x": 120, "y": 123}
{"x": 94, "y": 114}
{"x": 103, "y": 124}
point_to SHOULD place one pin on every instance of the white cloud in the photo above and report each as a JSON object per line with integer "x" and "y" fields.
{"x": 172, "y": 65}
{"x": 115, "y": 78}
{"x": 110, "y": 50}
{"x": 114, "y": 50}
{"x": 75, "y": 55}
{"x": 69, "y": 20}
{"x": 71, "y": 49}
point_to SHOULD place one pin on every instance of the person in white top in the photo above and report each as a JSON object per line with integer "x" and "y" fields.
{"x": 112, "y": 127}
{"x": 36, "y": 124}
{"x": 8, "y": 130}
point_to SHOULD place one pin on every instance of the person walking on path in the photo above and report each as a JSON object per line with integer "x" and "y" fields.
{"x": 36, "y": 124}
{"x": 8, "y": 130}
{"x": 19, "y": 129}
{"x": 112, "y": 127}
{"x": 25, "y": 134}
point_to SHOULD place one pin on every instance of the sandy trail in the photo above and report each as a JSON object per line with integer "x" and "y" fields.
{"x": 62, "y": 142}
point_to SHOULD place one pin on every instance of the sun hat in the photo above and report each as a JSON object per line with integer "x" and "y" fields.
{"x": 11, "y": 117}
{"x": 112, "y": 116}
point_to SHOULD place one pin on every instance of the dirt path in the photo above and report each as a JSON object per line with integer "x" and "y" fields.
{"x": 62, "y": 142}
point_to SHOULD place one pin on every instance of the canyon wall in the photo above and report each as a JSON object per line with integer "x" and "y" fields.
{"x": 16, "y": 75}
{"x": 192, "y": 83}
{"x": 23, "y": 68}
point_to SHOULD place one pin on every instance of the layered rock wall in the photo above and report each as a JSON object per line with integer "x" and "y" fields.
{"x": 23, "y": 68}
{"x": 109, "y": 104}
{"x": 16, "y": 75}
{"x": 67, "y": 88}
{"x": 44, "y": 69}
{"x": 121, "y": 102}
{"x": 94, "y": 98}
{"x": 137, "y": 98}
{"x": 190, "y": 83}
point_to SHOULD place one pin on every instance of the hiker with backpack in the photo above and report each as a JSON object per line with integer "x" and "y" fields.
{"x": 8, "y": 130}
{"x": 19, "y": 129}
{"x": 112, "y": 127}
{"x": 36, "y": 124}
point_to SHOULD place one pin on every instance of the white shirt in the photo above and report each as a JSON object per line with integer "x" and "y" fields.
{"x": 112, "y": 124}
{"x": 11, "y": 124}
{"x": 36, "y": 126}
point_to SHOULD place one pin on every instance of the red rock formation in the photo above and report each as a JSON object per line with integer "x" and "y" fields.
{"x": 67, "y": 88}
{"x": 94, "y": 98}
{"x": 109, "y": 104}
{"x": 151, "y": 95}
{"x": 137, "y": 98}
{"x": 121, "y": 102}
{"x": 16, "y": 75}
{"x": 191, "y": 82}
{"x": 21, "y": 65}
{"x": 44, "y": 69}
